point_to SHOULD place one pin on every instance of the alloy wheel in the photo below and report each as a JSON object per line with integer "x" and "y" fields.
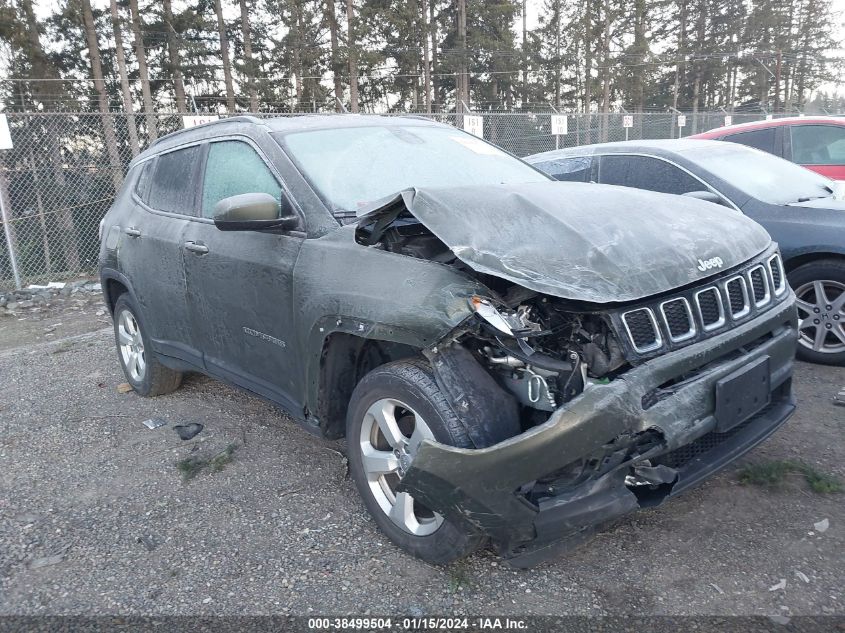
{"x": 131, "y": 345}
{"x": 391, "y": 434}
{"x": 821, "y": 313}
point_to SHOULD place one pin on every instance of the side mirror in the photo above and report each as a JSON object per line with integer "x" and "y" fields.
{"x": 709, "y": 196}
{"x": 253, "y": 212}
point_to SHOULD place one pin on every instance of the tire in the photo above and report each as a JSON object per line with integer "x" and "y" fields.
{"x": 404, "y": 391}
{"x": 140, "y": 365}
{"x": 821, "y": 314}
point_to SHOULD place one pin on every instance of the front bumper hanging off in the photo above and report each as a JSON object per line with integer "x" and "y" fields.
{"x": 481, "y": 488}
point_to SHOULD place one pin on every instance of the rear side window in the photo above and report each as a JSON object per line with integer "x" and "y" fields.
{"x": 174, "y": 181}
{"x": 142, "y": 186}
{"x": 233, "y": 168}
{"x": 576, "y": 169}
{"x": 759, "y": 139}
{"x": 818, "y": 144}
{"x": 644, "y": 172}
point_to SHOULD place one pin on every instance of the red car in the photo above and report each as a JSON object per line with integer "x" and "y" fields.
{"x": 817, "y": 143}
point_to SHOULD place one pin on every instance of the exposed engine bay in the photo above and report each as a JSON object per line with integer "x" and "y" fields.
{"x": 539, "y": 348}
{"x": 542, "y": 353}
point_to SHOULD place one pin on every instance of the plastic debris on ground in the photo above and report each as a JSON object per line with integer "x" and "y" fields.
{"x": 822, "y": 526}
{"x": 154, "y": 423}
{"x": 188, "y": 431}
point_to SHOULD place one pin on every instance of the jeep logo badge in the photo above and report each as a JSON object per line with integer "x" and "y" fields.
{"x": 713, "y": 262}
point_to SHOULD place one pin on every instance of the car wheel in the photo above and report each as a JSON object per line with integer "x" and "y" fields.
{"x": 820, "y": 292}
{"x": 140, "y": 366}
{"x": 392, "y": 410}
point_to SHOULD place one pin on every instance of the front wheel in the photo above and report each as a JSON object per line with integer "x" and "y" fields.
{"x": 820, "y": 293}
{"x": 392, "y": 410}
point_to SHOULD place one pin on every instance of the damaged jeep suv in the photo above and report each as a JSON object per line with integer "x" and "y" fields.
{"x": 511, "y": 359}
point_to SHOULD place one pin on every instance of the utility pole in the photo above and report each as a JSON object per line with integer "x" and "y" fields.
{"x": 351, "y": 43}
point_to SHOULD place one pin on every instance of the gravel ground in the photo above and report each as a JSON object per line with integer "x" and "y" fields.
{"x": 95, "y": 517}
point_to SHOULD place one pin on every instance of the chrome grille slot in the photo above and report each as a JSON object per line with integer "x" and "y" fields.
{"x": 677, "y": 316}
{"x": 778, "y": 276}
{"x": 759, "y": 285}
{"x": 642, "y": 330}
{"x": 737, "y": 292}
{"x": 711, "y": 310}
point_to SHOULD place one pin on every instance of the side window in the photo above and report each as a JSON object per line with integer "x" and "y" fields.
{"x": 760, "y": 139}
{"x": 644, "y": 172}
{"x": 818, "y": 144}
{"x": 233, "y": 168}
{"x": 575, "y": 169}
{"x": 142, "y": 186}
{"x": 172, "y": 186}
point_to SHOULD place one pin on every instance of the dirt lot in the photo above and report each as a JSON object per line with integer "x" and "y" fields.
{"x": 95, "y": 516}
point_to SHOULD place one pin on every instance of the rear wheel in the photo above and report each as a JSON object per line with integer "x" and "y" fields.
{"x": 820, "y": 292}
{"x": 392, "y": 410}
{"x": 139, "y": 363}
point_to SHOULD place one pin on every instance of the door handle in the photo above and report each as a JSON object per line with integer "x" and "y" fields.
{"x": 132, "y": 232}
{"x": 194, "y": 247}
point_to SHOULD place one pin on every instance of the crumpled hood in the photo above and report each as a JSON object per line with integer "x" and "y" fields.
{"x": 585, "y": 242}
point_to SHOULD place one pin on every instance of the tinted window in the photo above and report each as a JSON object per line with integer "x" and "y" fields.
{"x": 644, "y": 172}
{"x": 818, "y": 144}
{"x": 572, "y": 169}
{"x": 172, "y": 187}
{"x": 233, "y": 168}
{"x": 759, "y": 139}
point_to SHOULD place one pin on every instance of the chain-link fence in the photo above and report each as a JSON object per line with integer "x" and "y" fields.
{"x": 61, "y": 175}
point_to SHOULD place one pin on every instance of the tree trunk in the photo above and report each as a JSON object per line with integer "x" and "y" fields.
{"x": 224, "y": 53}
{"x": 588, "y": 66}
{"x": 42, "y": 68}
{"x": 605, "y": 90}
{"x": 128, "y": 108}
{"x": 297, "y": 54}
{"x": 425, "y": 61}
{"x": 102, "y": 97}
{"x": 249, "y": 65}
{"x": 435, "y": 79}
{"x": 143, "y": 72}
{"x": 351, "y": 44}
{"x": 331, "y": 18}
{"x": 175, "y": 62}
{"x": 463, "y": 74}
{"x": 524, "y": 54}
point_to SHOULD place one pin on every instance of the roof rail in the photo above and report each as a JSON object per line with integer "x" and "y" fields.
{"x": 246, "y": 118}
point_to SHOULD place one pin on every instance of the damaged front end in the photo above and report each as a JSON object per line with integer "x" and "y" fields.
{"x": 582, "y": 411}
{"x": 610, "y": 445}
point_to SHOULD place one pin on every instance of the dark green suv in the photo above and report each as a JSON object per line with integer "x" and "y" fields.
{"x": 511, "y": 359}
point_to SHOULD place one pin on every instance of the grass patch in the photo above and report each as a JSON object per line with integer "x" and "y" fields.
{"x": 458, "y": 576}
{"x": 190, "y": 467}
{"x": 773, "y": 473}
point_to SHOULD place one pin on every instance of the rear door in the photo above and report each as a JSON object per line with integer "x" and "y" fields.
{"x": 820, "y": 148}
{"x": 240, "y": 282}
{"x": 150, "y": 248}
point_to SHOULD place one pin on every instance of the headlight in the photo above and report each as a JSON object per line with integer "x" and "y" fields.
{"x": 489, "y": 313}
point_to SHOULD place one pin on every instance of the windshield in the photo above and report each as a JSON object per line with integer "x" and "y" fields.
{"x": 761, "y": 175}
{"x": 350, "y": 168}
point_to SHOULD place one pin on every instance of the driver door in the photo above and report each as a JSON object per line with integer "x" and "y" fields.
{"x": 239, "y": 283}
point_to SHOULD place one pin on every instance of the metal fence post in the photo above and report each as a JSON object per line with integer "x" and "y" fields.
{"x": 8, "y": 232}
